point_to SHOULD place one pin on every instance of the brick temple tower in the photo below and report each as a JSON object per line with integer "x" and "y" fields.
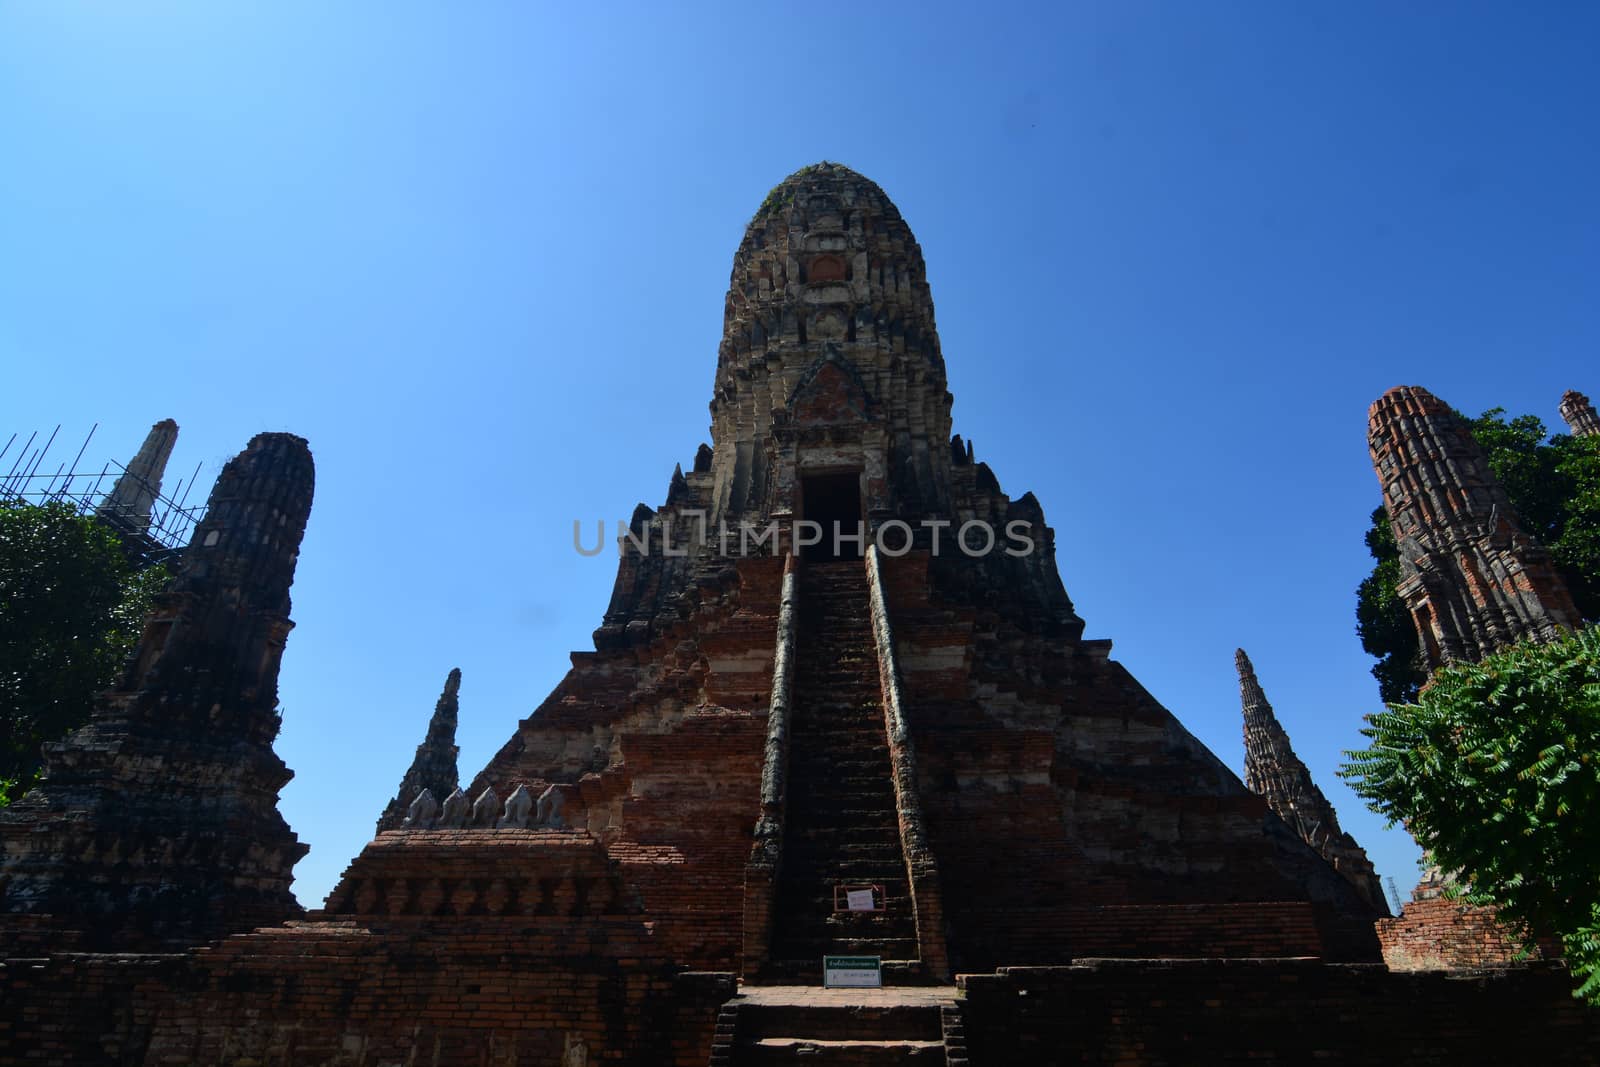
{"x": 1473, "y": 582}
{"x": 1471, "y": 578}
{"x": 1579, "y": 414}
{"x": 156, "y": 824}
{"x": 910, "y": 712}
{"x": 896, "y": 743}
{"x": 1274, "y": 772}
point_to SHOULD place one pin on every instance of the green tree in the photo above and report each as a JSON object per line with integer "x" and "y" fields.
{"x": 1495, "y": 770}
{"x": 1554, "y": 485}
{"x": 71, "y": 607}
{"x": 1382, "y": 620}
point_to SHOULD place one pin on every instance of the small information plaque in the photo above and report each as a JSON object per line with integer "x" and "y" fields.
{"x": 852, "y": 972}
{"x": 860, "y": 900}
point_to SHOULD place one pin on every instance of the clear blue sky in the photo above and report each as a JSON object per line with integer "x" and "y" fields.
{"x": 477, "y": 255}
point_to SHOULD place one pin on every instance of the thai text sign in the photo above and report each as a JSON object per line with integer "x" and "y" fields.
{"x": 852, "y": 972}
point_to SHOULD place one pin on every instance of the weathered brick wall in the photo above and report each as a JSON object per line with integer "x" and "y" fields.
{"x": 1442, "y": 934}
{"x": 84, "y": 1009}
{"x": 1072, "y": 814}
{"x": 540, "y": 991}
{"x": 1273, "y": 1011}
{"x": 458, "y": 946}
{"x": 687, "y": 823}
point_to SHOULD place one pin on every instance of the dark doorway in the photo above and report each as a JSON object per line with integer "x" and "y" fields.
{"x": 833, "y": 501}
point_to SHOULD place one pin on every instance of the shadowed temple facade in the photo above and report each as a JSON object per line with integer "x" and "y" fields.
{"x": 839, "y": 703}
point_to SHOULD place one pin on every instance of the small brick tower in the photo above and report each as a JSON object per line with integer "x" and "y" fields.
{"x": 434, "y": 767}
{"x": 1273, "y": 772}
{"x": 156, "y": 825}
{"x": 1471, "y": 578}
{"x": 1579, "y": 413}
{"x": 127, "y": 506}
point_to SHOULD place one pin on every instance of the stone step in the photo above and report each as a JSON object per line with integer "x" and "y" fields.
{"x": 860, "y": 710}
{"x": 868, "y": 805}
{"x": 844, "y": 732}
{"x": 821, "y": 765}
{"x": 825, "y": 847}
{"x": 815, "y": 888}
{"x": 874, "y": 788}
{"x": 900, "y": 934}
{"x": 866, "y": 819}
{"x": 821, "y": 1052}
{"x": 845, "y": 723}
{"x": 861, "y": 703}
{"x": 822, "y": 863}
{"x": 812, "y": 892}
{"x": 813, "y": 907}
{"x": 810, "y": 846}
{"x": 866, "y": 810}
{"x": 910, "y": 1022}
{"x": 887, "y": 948}
{"x": 829, "y": 780}
{"x": 847, "y": 733}
{"x": 851, "y": 741}
{"x": 837, "y": 846}
{"x": 812, "y": 914}
{"x": 816, "y": 775}
{"x": 869, "y": 820}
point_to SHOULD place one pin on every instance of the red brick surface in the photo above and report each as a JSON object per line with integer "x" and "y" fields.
{"x": 1274, "y": 1011}
{"x": 1442, "y": 934}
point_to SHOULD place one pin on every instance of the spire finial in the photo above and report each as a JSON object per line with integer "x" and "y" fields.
{"x": 434, "y": 768}
{"x": 1273, "y": 772}
{"x": 128, "y": 504}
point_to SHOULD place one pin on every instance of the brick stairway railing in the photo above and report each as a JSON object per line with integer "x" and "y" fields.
{"x": 921, "y": 866}
{"x": 841, "y": 818}
{"x": 766, "y": 854}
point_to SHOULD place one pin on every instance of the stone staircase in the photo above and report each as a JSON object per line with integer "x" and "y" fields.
{"x": 839, "y": 1028}
{"x": 841, "y": 826}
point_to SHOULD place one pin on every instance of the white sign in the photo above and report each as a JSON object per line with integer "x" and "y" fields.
{"x": 859, "y": 900}
{"x": 852, "y": 972}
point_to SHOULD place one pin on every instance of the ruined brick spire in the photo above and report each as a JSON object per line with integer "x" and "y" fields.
{"x": 829, "y": 365}
{"x": 157, "y": 823}
{"x": 128, "y": 504}
{"x": 829, "y": 321}
{"x": 1580, "y": 416}
{"x": 1277, "y": 775}
{"x": 1471, "y": 578}
{"x": 434, "y": 767}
